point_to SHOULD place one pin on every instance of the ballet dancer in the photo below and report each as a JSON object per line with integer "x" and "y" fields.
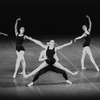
{"x": 20, "y": 50}
{"x": 50, "y": 62}
{"x": 86, "y": 49}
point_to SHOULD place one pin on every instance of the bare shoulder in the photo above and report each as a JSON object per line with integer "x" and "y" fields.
{"x": 26, "y": 37}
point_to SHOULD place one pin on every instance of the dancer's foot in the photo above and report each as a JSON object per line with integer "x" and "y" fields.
{"x": 30, "y": 84}
{"x": 69, "y": 82}
{"x": 83, "y": 68}
{"x": 14, "y": 75}
{"x": 97, "y": 69}
{"x": 74, "y": 73}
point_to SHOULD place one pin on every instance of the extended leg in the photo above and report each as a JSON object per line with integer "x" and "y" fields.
{"x": 57, "y": 70}
{"x": 42, "y": 71}
{"x": 44, "y": 64}
{"x": 58, "y": 65}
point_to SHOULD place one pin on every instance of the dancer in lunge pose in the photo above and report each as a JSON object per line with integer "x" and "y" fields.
{"x": 50, "y": 62}
{"x": 86, "y": 49}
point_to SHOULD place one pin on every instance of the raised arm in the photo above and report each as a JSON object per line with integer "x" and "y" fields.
{"x": 90, "y": 23}
{"x": 16, "y": 23}
{"x": 64, "y": 45}
{"x": 3, "y": 34}
{"x": 80, "y": 37}
{"x": 36, "y": 41}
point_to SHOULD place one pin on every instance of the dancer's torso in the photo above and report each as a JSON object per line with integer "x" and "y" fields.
{"x": 50, "y": 53}
{"x": 50, "y": 56}
{"x": 87, "y": 40}
{"x": 19, "y": 42}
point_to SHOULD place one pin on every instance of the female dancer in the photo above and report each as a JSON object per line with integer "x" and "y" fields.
{"x": 86, "y": 50}
{"x": 50, "y": 62}
{"x": 20, "y": 37}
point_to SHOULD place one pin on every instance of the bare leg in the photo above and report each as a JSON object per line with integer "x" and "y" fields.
{"x": 91, "y": 58}
{"x": 58, "y": 65}
{"x": 83, "y": 58}
{"x": 44, "y": 64}
{"x": 23, "y": 63}
{"x": 24, "y": 66}
{"x": 17, "y": 64}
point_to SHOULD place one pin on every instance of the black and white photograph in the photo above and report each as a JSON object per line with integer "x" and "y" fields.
{"x": 49, "y": 49}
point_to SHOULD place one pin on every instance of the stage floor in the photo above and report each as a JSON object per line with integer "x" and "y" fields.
{"x": 50, "y": 85}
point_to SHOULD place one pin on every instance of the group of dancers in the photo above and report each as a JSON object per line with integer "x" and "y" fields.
{"x": 48, "y": 56}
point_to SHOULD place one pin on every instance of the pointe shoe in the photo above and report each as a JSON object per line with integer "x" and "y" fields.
{"x": 69, "y": 82}
{"x": 83, "y": 68}
{"x": 30, "y": 84}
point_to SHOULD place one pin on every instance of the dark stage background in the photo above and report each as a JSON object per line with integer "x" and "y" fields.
{"x": 50, "y": 18}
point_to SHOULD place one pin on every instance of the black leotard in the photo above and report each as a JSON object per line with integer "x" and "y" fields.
{"x": 50, "y": 56}
{"x": 87, "y": 40}
{"x": 19, "y": 42}
{"x": 50, "y": 61}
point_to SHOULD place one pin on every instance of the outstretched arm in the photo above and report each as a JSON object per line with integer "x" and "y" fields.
{"x": 3, "y": 34}
{"x": 90, "y": 23}
{"x": 36, "y": 41}
{"x": 16, "y": 32}
{"x": 67, "y": 44}
{"x": 80, "y": 37}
